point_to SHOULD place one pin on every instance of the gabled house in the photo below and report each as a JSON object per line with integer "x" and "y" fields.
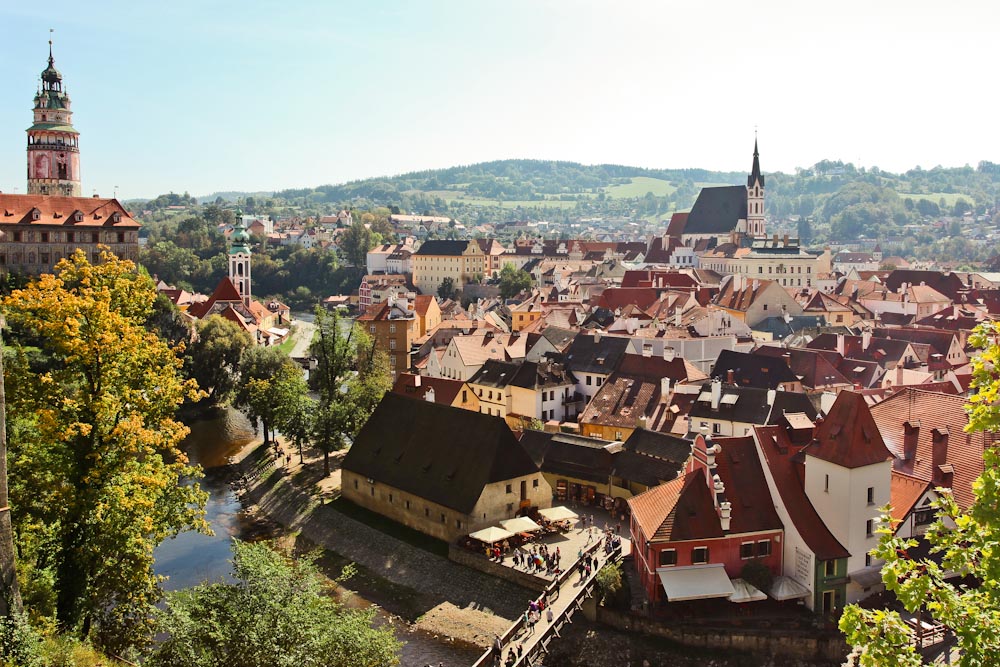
{"x": 751, "y": 300}
{"x": 465, "y": 355}
{"x": 442, "y": 391}
{"x": 751, "y": 370}
{"x": 441, "y": 470}
{"x": 592, "y": 358}
{"x": 724, "y": 410}
{"x": 694, "y": 534}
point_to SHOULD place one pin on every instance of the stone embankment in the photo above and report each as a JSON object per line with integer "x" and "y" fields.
{"x": 447, "y": 598}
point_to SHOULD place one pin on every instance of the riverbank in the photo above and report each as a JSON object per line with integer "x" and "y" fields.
{"x": 404, "y": 577}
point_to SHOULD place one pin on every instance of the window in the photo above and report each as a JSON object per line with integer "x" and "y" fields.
{"x": 870, "y": 527}
{"x": 765, "y": 307}
{"x": 763, "y": 548}
{"x": 372, "y": 489}
{"x": 871, "y": 495}
{"x": 442, "y": 517}
{"x": 371, "y": 329}
{"x": 392, "y": 328}
{"x": 510, "y": 507}
{"x": 534, "y": 483}
{"x": 699, "y": 555}
{"x": 668, "y": 557}
{"x": 868, "y": 560}
{"x": 618, "y": 435}
{"x": 509, "y": 489}
{"x": 588, "y": 377}
{"x": 427, "y": 511}
{"x": 392, "y": 343}
{"x": 407, "y": 503}
{"x": 826, "y": 483}
{"x": 829, "y": 568}
{"x": 390, "y": 498}
{"x": 355, "y": 484}
{"x": 922, "y": 517}
{"x": 716, "y": 428}
{"x": 465, "y": 395}
{"x": 746, "y": 550}
{"x": 458, "y": 523}
{"x": 599, "y": 381}
{"x": 45, "y": 237}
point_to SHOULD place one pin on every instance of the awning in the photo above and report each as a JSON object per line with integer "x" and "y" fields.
{"x": 867, "y": 577}
{"x": 695, "y": 582}
{"x": 521, "y": 524}
{"x": 491, "y": 535}
{"x": 745, "y": 592}
{"x": 786, "y": 588}
{"x": 558, "y": 514}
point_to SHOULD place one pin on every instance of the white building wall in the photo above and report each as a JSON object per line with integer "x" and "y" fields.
{"x": 840, "y": 496}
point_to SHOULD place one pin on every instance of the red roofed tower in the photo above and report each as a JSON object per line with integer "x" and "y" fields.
{"x": 53, "y": 143}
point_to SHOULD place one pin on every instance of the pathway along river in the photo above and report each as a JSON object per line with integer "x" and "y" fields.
{"x": 191, "y": 558}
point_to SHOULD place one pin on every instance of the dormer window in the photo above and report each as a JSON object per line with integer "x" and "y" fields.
{"x": 36, "y": 214}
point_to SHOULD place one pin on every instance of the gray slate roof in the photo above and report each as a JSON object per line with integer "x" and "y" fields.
{"x": 443, "y": 454}
{"x": 717, "y": 210}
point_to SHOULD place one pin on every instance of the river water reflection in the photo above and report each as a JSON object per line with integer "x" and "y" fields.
{"x": 191, "y": 558}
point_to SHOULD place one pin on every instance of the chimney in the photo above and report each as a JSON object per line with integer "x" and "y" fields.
{"x": 840, "y": 344}
{"x": 866, "y": 339}
{"x": 730, "y": 377}
{"x": 429, "y": 396}
{"x": 416, "y": 380}
{"x": 668, "y": 353}
{"x": 911, "y": 433}
{"x": 597, "y": 335}
{"x": 771, "y": 393}
{"x": 711, "y": 453}
{"x": 641, "y": 422}
{"x": 786, "y": 240}
{"x": 647, "y": 351}
{"x": 664, "y": 388}
{"x": 719, "y": 488}
{"x": 899, "y": 375}
{"x": 716, "y": 393}
{"x": 725, "y": 515}
{"x": 942, "y": 472}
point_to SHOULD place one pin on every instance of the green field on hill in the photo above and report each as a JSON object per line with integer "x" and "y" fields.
{"x": 936, "y": 197}
{"x": 639, "y": 186}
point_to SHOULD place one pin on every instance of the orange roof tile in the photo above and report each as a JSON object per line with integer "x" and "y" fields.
{"x": 96, "y": 211}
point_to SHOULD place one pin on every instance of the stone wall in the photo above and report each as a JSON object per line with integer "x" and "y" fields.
{"x": 758, "y": 641}
{"x": 478, "y": 561}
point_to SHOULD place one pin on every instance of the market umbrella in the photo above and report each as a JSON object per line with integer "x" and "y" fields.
{"x": 491, "y": 535}
{"x": 558, "y": 514}
{"x": 521, "y": 524}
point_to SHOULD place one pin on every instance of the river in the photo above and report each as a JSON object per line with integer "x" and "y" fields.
{"x": 192, "y": 558}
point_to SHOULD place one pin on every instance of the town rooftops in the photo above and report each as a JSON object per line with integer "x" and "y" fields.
{"x": 443, "y": 454}
{"x": 595, "y": 353}
{"x": 751, "y": 370}
{"x": 445, "y": 389}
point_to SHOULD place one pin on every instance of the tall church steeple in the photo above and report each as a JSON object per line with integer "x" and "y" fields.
{"x": 239, "y": 259}
{"x": 755, "y": 196}
{"x": 53, "y": 143}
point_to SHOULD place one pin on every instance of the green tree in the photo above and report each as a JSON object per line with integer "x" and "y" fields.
{"x": 513, "y": 281}
{"x": 213, "y": 359}
{"x": 269, "y": 382}
{"x": 356, "y": 242}
{"x": 963, "y": 541}
{"x": 297, "y": 418}
{"x": 446, "y": 290}
{"x": 609, "y": 581}
{"x": 98, "y": 475}
{"x": 278, "y": 613}
{"x": 346, "y": 397}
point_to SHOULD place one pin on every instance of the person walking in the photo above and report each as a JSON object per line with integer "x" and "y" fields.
{"x": 548, "y": 615}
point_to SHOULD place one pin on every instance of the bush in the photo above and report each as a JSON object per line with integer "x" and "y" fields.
{"x": 609, "y": 581}
{"x": 19, "y": 643}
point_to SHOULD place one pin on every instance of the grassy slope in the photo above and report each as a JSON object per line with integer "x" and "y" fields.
{"x": 639, "y": 186}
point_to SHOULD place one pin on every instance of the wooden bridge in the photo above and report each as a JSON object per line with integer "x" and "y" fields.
{"x": 565, "y": 597}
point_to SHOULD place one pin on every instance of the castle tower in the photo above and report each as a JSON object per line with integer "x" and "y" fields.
{"x": 239, "y": 259}
{"x": 755, "y": 197}
{"x": 53, "y": 144}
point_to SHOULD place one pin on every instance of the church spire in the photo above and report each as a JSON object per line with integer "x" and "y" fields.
{"x": 53, "y": 142}
{"x": 755, "y": 174}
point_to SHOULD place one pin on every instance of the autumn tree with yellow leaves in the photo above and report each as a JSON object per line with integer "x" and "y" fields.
{"x": 97, "y": 478}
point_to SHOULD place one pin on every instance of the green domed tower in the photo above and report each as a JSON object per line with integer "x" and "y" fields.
{"x": 239, "y": 259}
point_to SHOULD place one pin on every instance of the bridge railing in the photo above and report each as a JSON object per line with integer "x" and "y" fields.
{"x": 551, "y": 593}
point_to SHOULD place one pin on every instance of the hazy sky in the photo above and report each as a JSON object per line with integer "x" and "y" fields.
{"x": 268, "y": 94}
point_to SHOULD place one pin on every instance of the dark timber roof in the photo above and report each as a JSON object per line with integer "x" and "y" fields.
{"x": 443, "y": 454}
{"x": 439, "y": 247}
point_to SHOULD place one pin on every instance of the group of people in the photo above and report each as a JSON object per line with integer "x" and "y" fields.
{"x": 280, "y": 453}
{"x": 538, "y": 559}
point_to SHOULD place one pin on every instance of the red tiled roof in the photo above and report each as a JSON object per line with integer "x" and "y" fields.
{"x": 658, "y": 279}
{"x": 741, "y": 299}
{"x": 904, "y": 492}
{"x": 445, "y": 389}
{"x": 779, "y": 453}
{"x": 927, "y": 411}
{"x": 97, "y": 211}
{"x": 619, "y": 297}
{"x": 681, "y": 509}
{"x": 848, "y": 437}
{"x": 678, "y": 221}
{"x": 421, "y": 303}
{"x": 740, "y": 470}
